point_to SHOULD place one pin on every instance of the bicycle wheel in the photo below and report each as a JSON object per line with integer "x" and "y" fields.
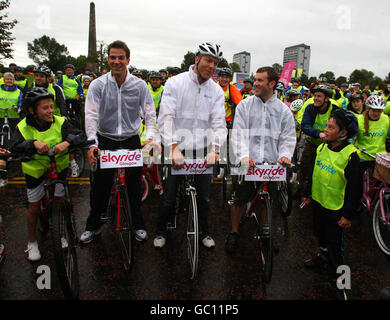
{"x": 285, "y": 197}
{"x": 265, "y": 236}
{"x": 382, "y": 227}
{"x": 64, "y": 250}
{"x": 124, "y": 227}
{"x": 79, "y": 157}
{"x": 192, "y": 234}
{"x": 145, "y": 188}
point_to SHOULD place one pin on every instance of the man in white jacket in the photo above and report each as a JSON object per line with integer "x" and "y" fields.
{"x": 192, "y": 124}
{"x": 263, "y": 131}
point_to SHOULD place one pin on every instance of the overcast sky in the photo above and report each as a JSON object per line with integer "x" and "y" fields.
{"x": 343, "y": 35}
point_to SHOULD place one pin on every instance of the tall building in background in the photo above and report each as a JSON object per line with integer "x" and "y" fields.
{"x": 243, "y": 59}
{"x": 301, "y": 54}
{"x": 91, "y": 60}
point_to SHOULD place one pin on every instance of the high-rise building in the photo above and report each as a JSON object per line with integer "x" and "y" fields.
{"x": 299, "y": 53}
{"x": 243, "y": 59}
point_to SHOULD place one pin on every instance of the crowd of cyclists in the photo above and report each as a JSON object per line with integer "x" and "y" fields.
{"x": 271, "y": 120}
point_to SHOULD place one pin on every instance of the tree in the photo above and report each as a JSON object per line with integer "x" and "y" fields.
{"x": 6, "y": 39}
{"x": 223, "y": 63}
{"x": 235, "y": 67}
{"x": 29, "y": 68}
{"x": 329, "y": 75}
{"x": 305, "y": 80}
{"x": 48, "y": 51}
{"x": 340, "y": 80}
{"x": 278, "y": 68}
{"x": 102, "y": 57}
{"x": 189, "y": 59}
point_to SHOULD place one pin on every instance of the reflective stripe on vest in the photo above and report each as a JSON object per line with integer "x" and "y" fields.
{"x": 320, "y": 124}
{"x": 70, "y": 87}
{"x": 329, "y": 182}
{"x": 8, "y": 99}
{"x": 53, "y": 136}
{"x": 374, "y": 141}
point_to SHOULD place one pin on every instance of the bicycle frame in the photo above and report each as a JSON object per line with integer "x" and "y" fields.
{"x": 5, "y": 126}
{"x": 119, "y": 183}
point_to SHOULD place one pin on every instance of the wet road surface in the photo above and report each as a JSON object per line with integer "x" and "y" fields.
{"x": 164, "y": 273}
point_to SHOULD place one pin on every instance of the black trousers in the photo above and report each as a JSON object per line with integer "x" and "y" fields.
{"x": 102, "y": 180}
{"x": 330, "y": 236}
{"x": 168, "y": 199}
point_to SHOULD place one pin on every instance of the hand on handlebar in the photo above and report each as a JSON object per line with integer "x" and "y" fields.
{"x": 284, "y": 161}
{"x": 61, "y": 147}
{"x": 248, "y": 162}
{"x": 177, "y": 159}
{"x": 211, "y": 159}
{"x": 92, "y": 159}
{"x": 41, "y": 146}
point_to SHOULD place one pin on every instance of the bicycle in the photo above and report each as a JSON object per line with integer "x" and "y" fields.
{"x": 119, "y": 212}
{"x": 151, "y": 176}
{"x": 186, "y": 203}
{"x": 376, "y": 200}
{"x": 77, "y": 122}
{"x": 5, "y": 134}
{"x": 57, "y": 214}
{"x": 260, "y": 210}
{"x": 224, "y": 165}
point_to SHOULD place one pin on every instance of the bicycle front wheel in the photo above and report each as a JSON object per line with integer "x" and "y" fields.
{"x": 124, "y": 227}
{"x": 145, "y": 188}
{"x": 381, "y": 225}
{"x": 192, "y": 234}
{"x": 266, "y": 238}
{"x": 80, "y": 159}
{"x": 64, "y": 250}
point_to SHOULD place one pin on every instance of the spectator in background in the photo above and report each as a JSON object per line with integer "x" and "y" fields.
{"x": 20, "y": 80}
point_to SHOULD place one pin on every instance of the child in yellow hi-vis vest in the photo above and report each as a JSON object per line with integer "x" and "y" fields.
{"x": 336, "y": 191}
{"x": 40, "y": 131}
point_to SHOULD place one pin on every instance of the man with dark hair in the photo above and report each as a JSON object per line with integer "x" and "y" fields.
{"x": 113, "y": 107}
{"x": 263, "y": 131}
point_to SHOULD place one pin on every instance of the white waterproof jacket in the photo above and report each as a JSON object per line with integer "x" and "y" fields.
{"x": 192, "y": 114}
{"x": 114, "y": 112}
{"x": 262, "y": 131}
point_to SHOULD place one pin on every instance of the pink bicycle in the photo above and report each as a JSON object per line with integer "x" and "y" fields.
{"x": 376, "y": 199}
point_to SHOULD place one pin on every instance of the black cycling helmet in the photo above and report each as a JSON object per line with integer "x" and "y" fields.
{"x": 357, "y": 96}
{"x": 280, "y": 86}
{"x": 324, "y": 89}
{"x": 43, "y": 69}
{"x": 69, "y": 66}
{"x": 17, "y": 68}
{"x": 34, "y": 95}
{"x": 344, "y": 85}
{"x": 323, "y": 79}
{"x": 175, "y": 70}
{"x": 163, "y": 70}
{"x": 346, "y": 120}
{"x": 155, "y": 74}
{"x": 295, "y": 80}
{"x": 225, "y": 72}
{"x": 248, "y": 80}
{"x": 59, "y": 71}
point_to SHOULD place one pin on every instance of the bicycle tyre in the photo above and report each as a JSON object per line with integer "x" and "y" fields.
{"x": 285, "y": 197}
{"x": 266, "y": 241}
{"x": 192, "y": 234}
{"x": 125, "y": 232}
{"x": 145, "y": 188}
{"x": 382, "y": 229}
{"x": 65, "y": 257}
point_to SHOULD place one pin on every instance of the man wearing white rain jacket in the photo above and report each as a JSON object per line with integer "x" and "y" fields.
{"x": 263, "y": 131}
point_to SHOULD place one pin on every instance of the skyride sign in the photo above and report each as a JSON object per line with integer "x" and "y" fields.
{"x": 120, "y": 159}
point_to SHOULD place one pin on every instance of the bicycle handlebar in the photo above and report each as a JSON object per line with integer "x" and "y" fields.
{"x": 363, "y": 150}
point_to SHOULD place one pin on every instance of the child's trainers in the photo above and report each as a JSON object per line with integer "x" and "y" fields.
{"x": 33, "y": 251}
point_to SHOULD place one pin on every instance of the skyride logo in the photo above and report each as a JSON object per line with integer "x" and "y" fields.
{"x": 194, "y": 166}
{"x": 266, "y": 173}
{"x": 120, "y": 159}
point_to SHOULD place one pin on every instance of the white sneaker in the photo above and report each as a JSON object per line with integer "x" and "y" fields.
{"x": 33, "y": 251}
{"x": 208, "y": 242}
{"x": 87, "y": 236}
{"x": 75, "y": 169}
{"x": 141, "y": 235}
{"x": 159, "y": 242}
{"x": 3, "y": 182}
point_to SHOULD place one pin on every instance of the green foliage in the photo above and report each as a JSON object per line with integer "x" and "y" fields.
{"x": 341, "y": 80}
{"x": 6, "y": 39}
{"x": 366, "y": 77}
{"x": 48, "y": 51}
{"x": 189, "y": 59}
{"x": 329, "y": 75}
{"x": 278, "y": 68}
{"x": 235, "y": 67}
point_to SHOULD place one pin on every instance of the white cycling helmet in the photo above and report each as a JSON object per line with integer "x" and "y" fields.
{"x": 296, "y": 105}
{"x": 376, "y": 102}
{"x": 209, "y": 49}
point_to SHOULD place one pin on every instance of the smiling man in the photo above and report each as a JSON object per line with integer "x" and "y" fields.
{"x": 192, "y": 123}
{"x": 263, "y": 131}
{"x": 112, "y": 117}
